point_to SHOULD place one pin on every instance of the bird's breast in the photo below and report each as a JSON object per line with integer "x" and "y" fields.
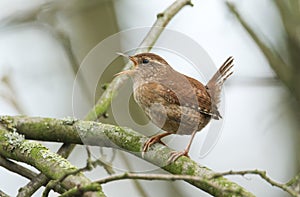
{"x": 167, "y": 115}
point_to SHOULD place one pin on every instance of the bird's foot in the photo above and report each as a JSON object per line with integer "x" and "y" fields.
{"x": 176, "y": 154}
{"x": 152, "y": 140}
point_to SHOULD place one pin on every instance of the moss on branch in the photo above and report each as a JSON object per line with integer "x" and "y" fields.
{"x": 14, "y": 146}
{"x": 105, "y": 135}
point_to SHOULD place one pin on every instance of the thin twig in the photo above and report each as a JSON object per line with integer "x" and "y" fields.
{"x": 80, "y": 190}
{"x": 40, "y": 180}
{"x": 12, "y": 96}
{"x": 283, "y": 71}
{"x": 89, "y": 166}
{"x": 30, "y": 188}
{"x": 16, "y": 168}
{"x": 162, "y": 20}
{"x": 150, "y": 177}
{"x": 2, "y": 194}
{"x": 137, "y": 184}
{"x": 263, "y": 175}
{"x": 295, "y": 183}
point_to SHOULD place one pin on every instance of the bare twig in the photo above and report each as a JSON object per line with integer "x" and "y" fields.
{"x": 295, "y": 183}
{"x": 36, "y": 183}
{"x": 263, "y": 175}
{"x": 16, "y": 168}
{"x": 89, "y": 166}
{"x": 137, "y": 184}
{"x": 80, "y": 190}
{"x": 276, "y": 63}
{"x": 2, "y": 194}
{"x": 149, "y": 177}
{"x": 165, "y": 177}
{"x": 162, "y": 20}
{"x": 285, "y": 72}
{"x": 12, "y": 96}
{"x": 31, "y": 188}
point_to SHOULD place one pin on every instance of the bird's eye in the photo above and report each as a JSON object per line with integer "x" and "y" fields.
{"x": 145, "y": 61}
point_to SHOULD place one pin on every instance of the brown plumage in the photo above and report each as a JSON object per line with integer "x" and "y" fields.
{"x": 175, "y": 102}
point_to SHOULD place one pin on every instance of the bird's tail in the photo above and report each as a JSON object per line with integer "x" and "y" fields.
{"x": 214, "y": 86}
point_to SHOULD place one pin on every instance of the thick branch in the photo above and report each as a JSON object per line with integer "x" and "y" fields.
{"x": 14, "y": 146}
{"x": 42, "y": 180}
{"x": 123, "y": 138}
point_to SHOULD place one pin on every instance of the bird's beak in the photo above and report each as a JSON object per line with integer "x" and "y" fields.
{"x": 127, "y": 72}
{"x": 132, "y": 58}
{"x": 124, "y": 72}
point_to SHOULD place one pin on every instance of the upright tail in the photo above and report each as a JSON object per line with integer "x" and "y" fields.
{"x": 214, "y": 86}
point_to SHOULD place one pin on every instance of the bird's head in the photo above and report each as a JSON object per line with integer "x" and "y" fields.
{"x": 146, "y": 63}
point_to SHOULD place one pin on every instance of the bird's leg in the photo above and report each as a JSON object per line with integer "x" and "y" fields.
{"x": 176, "y": 154}
{"x": 154, "y": 139}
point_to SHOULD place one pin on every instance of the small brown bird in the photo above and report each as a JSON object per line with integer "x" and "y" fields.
{"x": 174, "y": 102}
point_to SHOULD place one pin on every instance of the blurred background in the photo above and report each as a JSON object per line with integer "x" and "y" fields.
{"x": 42, "y": 45}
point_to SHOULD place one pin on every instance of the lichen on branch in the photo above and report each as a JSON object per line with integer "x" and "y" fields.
{"x": 105, "y": 135}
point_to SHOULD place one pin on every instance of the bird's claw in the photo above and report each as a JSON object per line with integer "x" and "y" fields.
{"x": 176, "y": 154}
{"x": 150, "y": 142}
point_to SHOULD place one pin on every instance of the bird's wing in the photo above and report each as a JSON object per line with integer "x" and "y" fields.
{"x": 191, "y": 94}
{"x": 204, "y": 98}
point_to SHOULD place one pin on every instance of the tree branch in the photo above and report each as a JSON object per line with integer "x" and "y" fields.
{"x": 263, "y": 175}
{"x": 37, "y": 180}
{"x": 2, "y": 194}
{"x": 106, "y": 135}
{"x": 16, "y": 168}
{"x": 42, "y": 180}
{"x": 14, "y": 146}
{"x": 149, "y": 177}
{"x": 31, "y": 187}
{"x": 283, "y": 71}
{"x": 295, "y": 183}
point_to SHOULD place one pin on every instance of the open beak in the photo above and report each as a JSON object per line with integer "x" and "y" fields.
{"x": 124, "y": 72}
{"x": 132, "y": 58}
{"x": 127, "y": 72}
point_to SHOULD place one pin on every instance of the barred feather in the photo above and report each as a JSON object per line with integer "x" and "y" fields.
{"x": 214, "y": 86}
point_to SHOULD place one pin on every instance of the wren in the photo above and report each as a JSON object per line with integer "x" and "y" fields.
{"x": 174, "y": 102}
